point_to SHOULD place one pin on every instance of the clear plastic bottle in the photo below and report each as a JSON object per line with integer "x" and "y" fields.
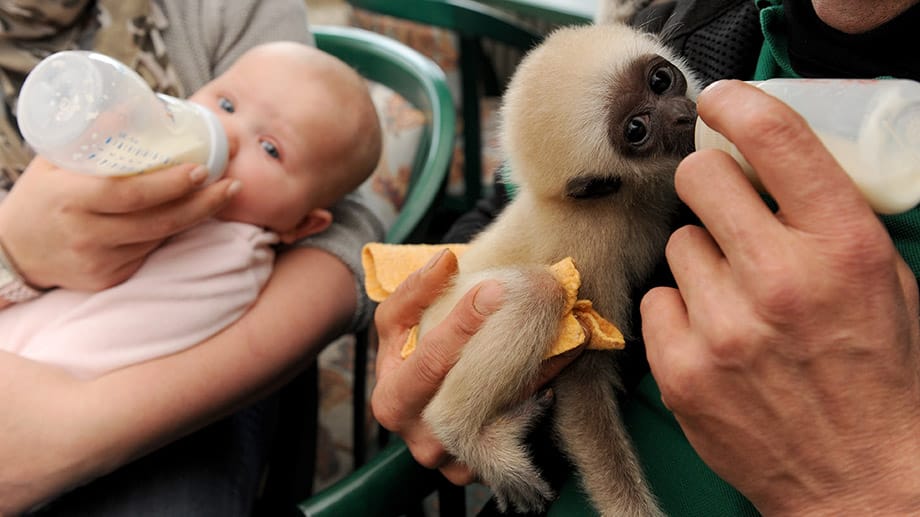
{"x": 87, "y": 112}
{"x": 872, "y": 128}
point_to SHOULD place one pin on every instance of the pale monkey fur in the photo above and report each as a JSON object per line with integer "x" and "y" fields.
{"x": 564, "y": 116}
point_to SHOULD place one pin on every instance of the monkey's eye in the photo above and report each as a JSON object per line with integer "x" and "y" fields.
{"x": 636, "y": 132}
{"x": 660, "y": 80}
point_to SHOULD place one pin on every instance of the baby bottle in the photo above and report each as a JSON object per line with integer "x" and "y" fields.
{"x": 872, "y": 128}
{"x": 87, "y": 112}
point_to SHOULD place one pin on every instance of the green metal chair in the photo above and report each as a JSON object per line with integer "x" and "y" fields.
{"x": 423, "y": 84}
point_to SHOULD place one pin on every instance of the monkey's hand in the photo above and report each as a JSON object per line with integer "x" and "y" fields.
{"x": 483, "y": 410}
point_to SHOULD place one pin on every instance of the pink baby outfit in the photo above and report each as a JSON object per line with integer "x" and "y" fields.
{"x": 193, "y": 286}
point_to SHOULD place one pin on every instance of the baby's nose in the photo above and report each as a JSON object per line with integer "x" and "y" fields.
{"x": 233, "y": 138}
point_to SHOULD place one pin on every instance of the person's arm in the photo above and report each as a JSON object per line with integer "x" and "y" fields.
{"x": 67, "y": 229}
{"x": 790, "y": 354}
{"x": 60, "y": 432}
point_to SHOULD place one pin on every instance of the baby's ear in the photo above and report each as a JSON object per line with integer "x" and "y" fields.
{"x": 314, "y": 222}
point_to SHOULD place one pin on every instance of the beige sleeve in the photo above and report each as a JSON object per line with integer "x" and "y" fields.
{"x": 206, "y": 36}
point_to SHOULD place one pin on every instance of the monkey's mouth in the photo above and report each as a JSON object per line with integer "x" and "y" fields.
{"x": 592, "y": 187}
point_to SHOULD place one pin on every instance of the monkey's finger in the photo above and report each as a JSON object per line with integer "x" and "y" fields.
{"x": 402, "y": 310}
{"x": 791, "y": 162}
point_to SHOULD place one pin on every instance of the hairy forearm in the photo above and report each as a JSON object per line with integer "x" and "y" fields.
{"x": 67, "y": 431}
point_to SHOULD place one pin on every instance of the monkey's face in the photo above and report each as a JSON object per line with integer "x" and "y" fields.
{"x": 649, "y": 113}
{"x": 598, "y": 110}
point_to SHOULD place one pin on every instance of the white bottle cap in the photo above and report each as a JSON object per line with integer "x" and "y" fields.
{"x": 217, "y": 158}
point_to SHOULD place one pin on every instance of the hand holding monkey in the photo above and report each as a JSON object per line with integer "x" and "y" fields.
{"x": 791, "y": 353}
{"x": 404, "y": 387}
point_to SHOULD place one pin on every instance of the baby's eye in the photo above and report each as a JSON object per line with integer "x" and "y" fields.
{"x": 270, "y": 149}
{"x": 226, "y": 105}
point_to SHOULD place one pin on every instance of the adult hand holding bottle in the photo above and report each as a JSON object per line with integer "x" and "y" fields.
{"x": 790, "y": 354}
{"x": 74, "y": 230}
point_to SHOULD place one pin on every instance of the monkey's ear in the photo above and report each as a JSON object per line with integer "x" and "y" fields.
{"x": 617, "y": 11}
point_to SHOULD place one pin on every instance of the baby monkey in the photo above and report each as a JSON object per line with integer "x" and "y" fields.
{"x": 595, "y": 121}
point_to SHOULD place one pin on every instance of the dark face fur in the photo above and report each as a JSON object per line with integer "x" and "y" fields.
{"x": 649, "y": 117}
{"x": 650, "y": 114}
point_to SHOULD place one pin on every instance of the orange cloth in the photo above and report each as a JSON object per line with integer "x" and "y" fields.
{"x": 387, "y": 265}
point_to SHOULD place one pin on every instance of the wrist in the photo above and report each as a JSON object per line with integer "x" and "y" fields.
{"x": 882, "y": 481}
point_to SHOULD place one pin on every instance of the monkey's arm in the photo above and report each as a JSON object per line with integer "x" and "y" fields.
{"x": 483, "y": 409}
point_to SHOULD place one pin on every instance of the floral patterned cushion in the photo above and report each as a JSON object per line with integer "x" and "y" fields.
{"x": 441, "y": 46}
{"x": 402, "y": 125}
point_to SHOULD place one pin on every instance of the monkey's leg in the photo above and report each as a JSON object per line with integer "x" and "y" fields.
{"x": 588, "y": 423}
{"x": 480, "y": 413}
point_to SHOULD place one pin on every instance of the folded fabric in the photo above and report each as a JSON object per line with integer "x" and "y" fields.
{"x": 387, "y": 265}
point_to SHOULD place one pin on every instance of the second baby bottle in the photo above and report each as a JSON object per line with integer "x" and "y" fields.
{"x": 87, "y": 112}
{"x": 872, "y": 127}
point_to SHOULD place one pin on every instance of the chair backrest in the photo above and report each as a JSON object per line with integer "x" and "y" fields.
{"x": 471, "y": 22}
{"x": 423, "y": 84}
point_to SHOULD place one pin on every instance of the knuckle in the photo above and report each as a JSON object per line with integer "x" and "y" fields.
{"x": 866, "y": 249}
{"x": 433, "y": 367}
{"x": 162, "y": 226}
{"x": 429, "y": 454}
{"x": 410, "y": 283}
{"x": 386, "y": 415}
{"x": 127, "y": 198}
{"x": 785, "y": 291}
{"x": 466, "y": 324}
{"x": 459, "y": 474}
{"x": 83, "y": 245}
{"x": 387, "y": 317}
{"x": 678, "y": 388}
{"x": 732, "y": 348}
{"x": 773, "y": 125}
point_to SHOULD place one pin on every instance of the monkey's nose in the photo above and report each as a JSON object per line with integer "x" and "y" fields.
{"x": 682, "y": 113}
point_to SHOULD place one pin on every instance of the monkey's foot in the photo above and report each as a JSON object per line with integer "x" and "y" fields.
{"x": 510, "y": 472}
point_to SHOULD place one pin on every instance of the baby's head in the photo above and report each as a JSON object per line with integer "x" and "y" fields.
{"x": 302, "y": 133}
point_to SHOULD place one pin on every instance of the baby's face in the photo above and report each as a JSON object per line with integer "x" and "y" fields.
{"x": 274, "y": 116}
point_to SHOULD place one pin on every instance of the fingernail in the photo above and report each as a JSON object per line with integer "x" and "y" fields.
{"x": 434, "y": 260}
{"x": 234, "y": 187}
{"x": 489, "y": 297}
{"x": 198, "y": 174}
